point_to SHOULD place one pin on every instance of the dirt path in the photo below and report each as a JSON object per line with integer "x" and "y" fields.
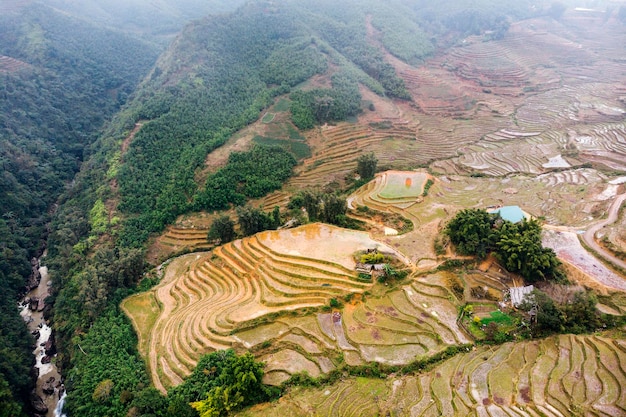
{"x": 130, "y": 137}
{"x": 589, "y": 236}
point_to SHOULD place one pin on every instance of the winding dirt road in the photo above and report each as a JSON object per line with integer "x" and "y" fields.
{"x": 589, "y": 235}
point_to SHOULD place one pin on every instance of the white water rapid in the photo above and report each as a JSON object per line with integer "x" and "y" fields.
{"x": 58, "y": 410}
{"x": 49, "y": 385}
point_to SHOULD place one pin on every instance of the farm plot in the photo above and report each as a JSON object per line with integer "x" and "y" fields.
{"x": 505, "y": 152}
{"x": 397, "y": 185}
{"x": 340, "y": 146}
{"x": 604, "y": 142}
{"x": 569, "y": 106}
{"x": 488, "y": 64}
{"x": 573, "y": 198}
{"x": 176, "y": 239}
{"x": 563, "y": 198}
{"x": 568, "y": 248}
{"x": 416, "y": 320}
{"x": 215, "y": 294}
{"x": 8, "y": 64}
{"x": 255, "y": 293}
{"x": 558, "y": 376}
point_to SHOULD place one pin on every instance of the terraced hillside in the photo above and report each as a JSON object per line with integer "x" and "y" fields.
{"x": 558, "y": 376}
{"x": 213, "y": 294}
{"x": 393, "y": 140}
{"x": 8, "y": 64}
{"x": 256, "y": 294}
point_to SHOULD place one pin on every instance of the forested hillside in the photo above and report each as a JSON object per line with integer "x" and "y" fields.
{"x": 62, "y": 80}
{"x": 216, "y": 78}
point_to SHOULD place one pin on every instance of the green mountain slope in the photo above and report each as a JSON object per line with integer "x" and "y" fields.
{"x": 61, "y": 79}
{"x": 221, "y": 72}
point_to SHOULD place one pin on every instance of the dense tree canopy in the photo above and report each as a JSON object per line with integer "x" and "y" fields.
{"x": 71, "y": 77}
{"x": 517, "y": 246}
{"x": 472, "y": 231}
{"x": 222, "y": 381}
{"x": 576, "y": 315}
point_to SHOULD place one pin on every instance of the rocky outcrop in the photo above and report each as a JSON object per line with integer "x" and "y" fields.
{"x": 49, "y": 386}
{"x": 38, "y": 405}
{"x": 50, "y": 346}
{"x": 35, "y": 276}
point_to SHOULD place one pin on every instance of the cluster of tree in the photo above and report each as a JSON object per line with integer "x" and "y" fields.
{"x": 326, "y": 207}
{"x": 106, "y": 374}
{"x": 475, "y": 21}
{"x": 232, "y": 383}
{"x": 293, "y": 64}
{"x": 251, "y": 220}
{"x": 319, "y": 106}
{"x": 249, "y": 174}
{"x": 578, "y": 314}
{"x": 221, "y": 382}
{"x": 401, "y": 34}
{"x": 16, "y": 343}
{"x": 516, "y": 245}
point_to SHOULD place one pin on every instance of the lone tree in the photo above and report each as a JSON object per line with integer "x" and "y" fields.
{"x": 222, "y": 228}
{"x": 366, "y": 166}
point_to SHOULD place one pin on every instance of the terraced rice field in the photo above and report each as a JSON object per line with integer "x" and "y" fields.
{"x": 522, "y": 115}
{"x": 569, "y": 249}
{"x": 253, "y": 294}
{"x": 213, "y": 294}
{"x": 341, "y": 145}
{"x": 558, "y": 376}
{"x": 8, "y": 64}
{"x": 402, "y": 185}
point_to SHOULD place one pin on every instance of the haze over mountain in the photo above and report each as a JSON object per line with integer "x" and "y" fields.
{"x": 156, "y": 20}
{"x": 277, "y": 105}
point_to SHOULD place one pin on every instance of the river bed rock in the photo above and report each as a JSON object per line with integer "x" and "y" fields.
{"x": 49, "y": 346}
{"x": 38, "y": 405}
{"x": 49, "y": 386}
{"x": 35, "y": 276}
